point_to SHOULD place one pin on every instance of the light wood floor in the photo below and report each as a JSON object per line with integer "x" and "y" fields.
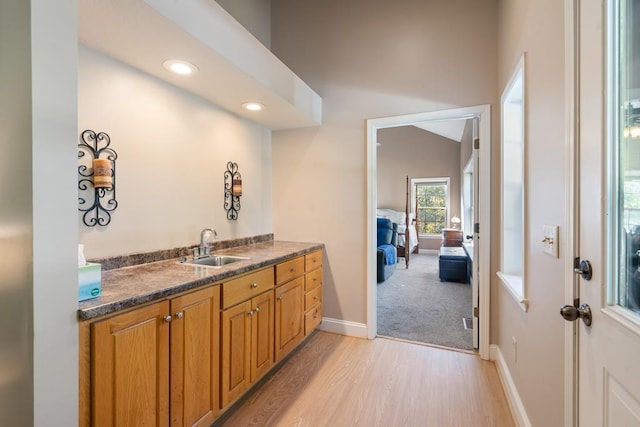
{"x": 335, "y": 380}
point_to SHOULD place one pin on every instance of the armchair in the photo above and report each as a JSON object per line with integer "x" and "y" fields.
{"x": 387, "y": 256}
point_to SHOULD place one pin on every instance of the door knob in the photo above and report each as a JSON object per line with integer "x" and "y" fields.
{"x": 469, "y": 236}
{"x": 571, "y": 313}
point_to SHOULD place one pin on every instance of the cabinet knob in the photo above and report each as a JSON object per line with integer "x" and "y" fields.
{"x": 179, "y": 315}
{"x": 315, "y": 315}
{"x": 280, "y": 298}
{"x": 315, "y": 297}
{"x": 167, "y": 319}
{"x": 254, "y": 285}
{"x": 292, "y": 270}
{"x": 257, "y": 309}
{"x": 250, "y": 314}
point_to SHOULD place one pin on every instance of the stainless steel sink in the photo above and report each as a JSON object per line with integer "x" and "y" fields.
{"x": 217, "y": 260}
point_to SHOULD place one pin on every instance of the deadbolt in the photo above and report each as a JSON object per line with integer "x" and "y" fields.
{"x": 583, "y": 269}
{"x": 571, "y": 313}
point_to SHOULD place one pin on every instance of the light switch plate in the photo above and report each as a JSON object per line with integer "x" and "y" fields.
{"x": 550, "y": 240}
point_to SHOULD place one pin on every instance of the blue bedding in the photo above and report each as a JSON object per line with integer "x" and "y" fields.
{"x": 390, "y": 254}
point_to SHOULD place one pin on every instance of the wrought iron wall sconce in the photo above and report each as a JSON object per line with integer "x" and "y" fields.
{"x": 232, "y": 190}
{"x": 96, "y": 178}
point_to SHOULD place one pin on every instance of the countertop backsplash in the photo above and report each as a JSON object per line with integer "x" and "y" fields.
{"x": 128, "y": 260}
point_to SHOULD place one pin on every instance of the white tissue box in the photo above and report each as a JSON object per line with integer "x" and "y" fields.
{"x": 89, "y": 281}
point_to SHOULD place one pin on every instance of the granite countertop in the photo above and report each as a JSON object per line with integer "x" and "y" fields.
{"x": 135, "y": 285}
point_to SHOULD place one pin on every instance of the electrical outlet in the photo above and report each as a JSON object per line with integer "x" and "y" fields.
{"x": 514, "y": 348}
{"x": 550, "y": 240}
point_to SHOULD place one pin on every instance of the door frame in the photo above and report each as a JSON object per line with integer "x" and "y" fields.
{"x": 483, "y": 114}
{"x": 572, "y": 135}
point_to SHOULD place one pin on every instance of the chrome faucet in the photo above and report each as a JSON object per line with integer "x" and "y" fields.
{"x": 205, "y": 241}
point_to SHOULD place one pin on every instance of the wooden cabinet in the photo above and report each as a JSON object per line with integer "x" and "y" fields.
{"x": 157, "y": 365}
{"x": 184, "y": 360}
{"x": 451, "y": 237}
{"x": 247, "y": 332}
{"x": 313, "y": 291}
{"x": 236, "y": 352}
{"x": 289, "y": 315}
{"x": 262, "y": 335}
{"x": 195, "y": 358}
{"x": 130, "y": 368}
{"x": 298, "y": 300}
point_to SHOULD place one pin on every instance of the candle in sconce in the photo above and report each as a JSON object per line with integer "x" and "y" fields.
{"x": 102, "y": 173}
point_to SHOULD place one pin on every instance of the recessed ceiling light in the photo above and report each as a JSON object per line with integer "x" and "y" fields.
{"x": 253, "y": 106}
{"x": 177, "y": 66}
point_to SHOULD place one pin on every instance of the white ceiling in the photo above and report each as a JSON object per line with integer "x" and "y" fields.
{"x": 452, "y": 129}
{"x": 234, "y": 67}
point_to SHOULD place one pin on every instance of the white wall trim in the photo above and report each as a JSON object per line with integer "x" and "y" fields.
{"x": 483, "y": 114}
{"x": 344, "y": 327}
{"x": 513, "y": 397}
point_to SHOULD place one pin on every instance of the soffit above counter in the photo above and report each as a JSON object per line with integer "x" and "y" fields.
{"x": 234, "y": 67}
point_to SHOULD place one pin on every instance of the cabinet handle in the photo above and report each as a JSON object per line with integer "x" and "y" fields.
{"x": 257, "y": 309}
{"x": 179, "y": 315}
{"x": 292, "y": 269}
{"x": 315, "y": 297}
{"x": 254, "y": 285}
{"x": 280, "y": 298}
{"x": 250, "y": 314}
{"x": 167, "y": 319}
{"x": 315, "y": 315}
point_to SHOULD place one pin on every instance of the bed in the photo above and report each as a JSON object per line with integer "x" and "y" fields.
{"x": 407, "y": 230}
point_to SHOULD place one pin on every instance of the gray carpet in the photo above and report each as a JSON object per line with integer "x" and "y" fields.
{"x": 414, "y": 305}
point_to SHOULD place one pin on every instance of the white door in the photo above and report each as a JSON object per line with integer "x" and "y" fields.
{"x": 475, "y": 271}
{"x": 608, "y": 213}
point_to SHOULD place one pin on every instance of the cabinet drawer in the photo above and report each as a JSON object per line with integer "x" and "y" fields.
{"x": 313, "y": 280}
{"x": 313, "y": 297}
{"x": 312, "y": 319}
{"x": 241, "y": 289}
{"x": 312, "y": 260}
{"x": 289, "y": 269}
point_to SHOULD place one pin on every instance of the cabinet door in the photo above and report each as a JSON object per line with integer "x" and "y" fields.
{"x": 236, "y": 351}
{"x": 195, "y": 358}
{"x": 289, "y": 316}
{"x": 262, "y": 335}
{"x": 130, "y": 368}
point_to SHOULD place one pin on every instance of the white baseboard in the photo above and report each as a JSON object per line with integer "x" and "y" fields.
{"x": 513, "y": 397}
{"x": 344, "y": 327}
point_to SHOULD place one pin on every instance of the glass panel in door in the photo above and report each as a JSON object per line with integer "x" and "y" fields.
{"x": 624, "y": 156}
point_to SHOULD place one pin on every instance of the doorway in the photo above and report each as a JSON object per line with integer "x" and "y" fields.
{"x": 482, "y": 247}
{"x": 420, "y": 168}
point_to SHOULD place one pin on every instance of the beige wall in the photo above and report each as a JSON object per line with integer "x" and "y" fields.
{"x": 172, "y": 153}
{"x": 254, "y": 15}
{"x": 408, "y": 150}
{"x": 38, "y": 233}
{"x": 537, "y": 27}
{"x": 367, "y": 59}
{"x": 16, "y": 222}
